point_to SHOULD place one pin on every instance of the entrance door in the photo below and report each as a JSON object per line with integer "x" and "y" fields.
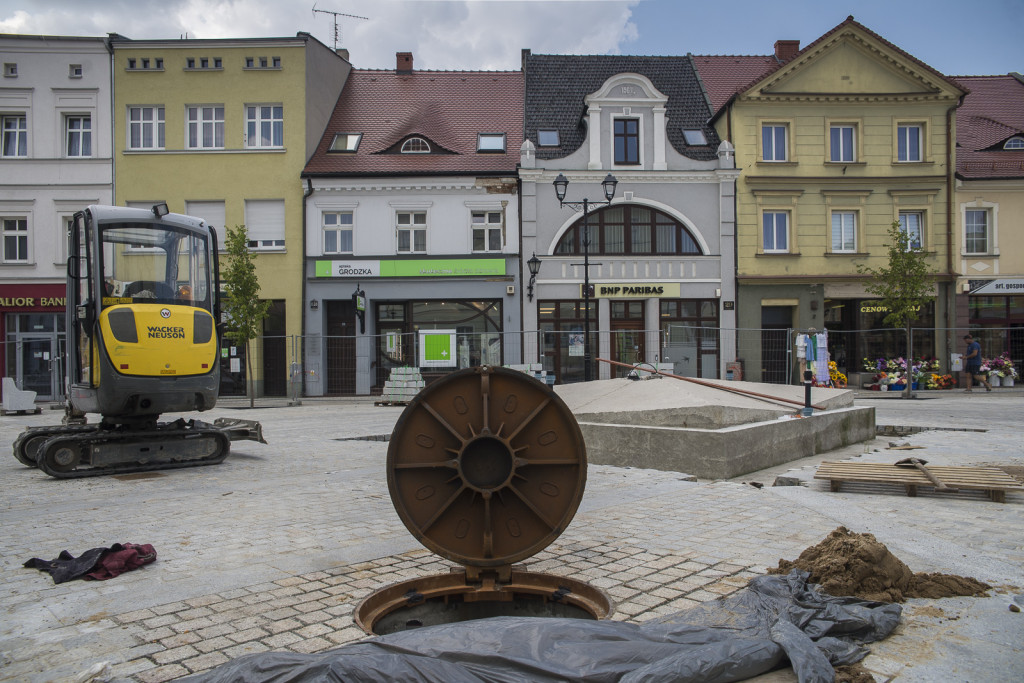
{"x": 627, "y": 345}
{"x": 775, "y": 323}
{"x": 341, "y": 347}
{"x": 36, "y": 362}
{"x": 275, "y": 351}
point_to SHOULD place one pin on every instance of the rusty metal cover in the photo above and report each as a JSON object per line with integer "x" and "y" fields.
{"x": 486, "y": 466}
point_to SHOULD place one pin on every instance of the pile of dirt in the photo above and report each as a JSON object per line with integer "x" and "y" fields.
{"x": 858, "y": 565}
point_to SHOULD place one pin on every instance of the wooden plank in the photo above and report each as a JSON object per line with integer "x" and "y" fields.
{"x": 991, "y": 480}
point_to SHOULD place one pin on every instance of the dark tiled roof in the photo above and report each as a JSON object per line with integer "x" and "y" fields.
{"x": 448, "y": 108}
{"x": 725, "y": 75}
{"x": 992, "y": 112}
{"x": 556, "y": 86}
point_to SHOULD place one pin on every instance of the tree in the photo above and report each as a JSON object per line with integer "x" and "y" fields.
{"x": 904, "y": 285}
{"x": 243, "y": 309}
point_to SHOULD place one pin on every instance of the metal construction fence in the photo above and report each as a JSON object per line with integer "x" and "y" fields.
{"x": 320, "y": 365}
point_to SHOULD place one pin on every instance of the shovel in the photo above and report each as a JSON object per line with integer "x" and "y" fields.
{"x": 920, "y": 464}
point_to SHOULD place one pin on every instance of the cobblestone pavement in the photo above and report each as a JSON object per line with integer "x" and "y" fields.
{"x": 273, "y": 549}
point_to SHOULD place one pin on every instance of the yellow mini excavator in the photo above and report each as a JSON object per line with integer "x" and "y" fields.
{"x": 142, "y": 339}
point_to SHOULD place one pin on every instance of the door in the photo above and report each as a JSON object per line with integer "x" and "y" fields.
{"x": 776, "y": 322}
{"x": 627, "y": 345}
{"x": 341, "y": 347}
{"x": 36, "y": 361}
{"x": 275, "y": 351}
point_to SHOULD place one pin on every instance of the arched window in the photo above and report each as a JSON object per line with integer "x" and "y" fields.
{"x": 635, "y": 230}
{"x": 415, "y": 146}
{"x": 1016, "y": 142}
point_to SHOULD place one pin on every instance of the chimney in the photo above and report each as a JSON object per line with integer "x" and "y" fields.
{"x": 404, "y": 62}
{"x": 785, "y": 50}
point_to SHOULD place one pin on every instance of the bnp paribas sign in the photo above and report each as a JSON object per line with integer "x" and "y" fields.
{"x": 411, "y": 268}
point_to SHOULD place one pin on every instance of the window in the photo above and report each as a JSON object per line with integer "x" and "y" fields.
{"x": 138, "y": 63}
{"x": 250, "y": 63}
{"x": 10, "y": 70}
{"x": 629, "y": 230}
{"x": 74, "y": 70}
{"x": 547, "y": 138}
{"x": 145, "y": 127}
{"x": 490, "y": 142}
{"x": 79, "y": 136}
{"x": 15, "y": 240}
{"x": 264, "y": 222}
{"x": 345, "y": 142}
{"x": 976, "y": 231}
{"x": 263, "y": 62}
{"x": 213, "y": 213}
{"x": 415, "y": 146}
{"x": 908, "y": 143}
{"x": 841, "y": 141}
{"x": 131, "y": 62}
{"x": 337, "y": 232}
{"x": 1014, "y": 143}
{"x": 412, "y": 231}
{"x": 190, "y": 63}
{"x": 264, "y": 125}
{"x": 694, "y": 137}
{"x": 627, "y": 141}
{"x": 844, "y": 231}
{"x": 487, "y": 230}
{"x": 773, "y": 143}
{"x": 205, "y": 127}
{"x": 775, "y": 231}
{"x": 276, "y": 61}
{"x": 15, "y": 136}
{"x": 912, "y": 222}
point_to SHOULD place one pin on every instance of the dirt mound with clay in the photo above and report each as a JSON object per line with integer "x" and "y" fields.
{"x": 846, "y": 563}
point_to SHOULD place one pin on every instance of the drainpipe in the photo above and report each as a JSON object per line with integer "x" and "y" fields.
{"x": 302, "y": 342}
{"x": 950, "y": 189}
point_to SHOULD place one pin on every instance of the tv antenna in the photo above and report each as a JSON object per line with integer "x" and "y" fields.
{"x": 337, "y": 35}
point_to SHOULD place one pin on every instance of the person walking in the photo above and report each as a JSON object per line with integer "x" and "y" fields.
{"x": 972, "y": 365}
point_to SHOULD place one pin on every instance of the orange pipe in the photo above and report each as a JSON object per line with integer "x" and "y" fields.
{"x": 713, "y": 386}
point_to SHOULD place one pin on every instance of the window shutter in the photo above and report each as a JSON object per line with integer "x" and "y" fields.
{"x": 264, "y": 219}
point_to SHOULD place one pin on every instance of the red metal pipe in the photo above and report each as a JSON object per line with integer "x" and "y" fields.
{"x": 713, "y": 386}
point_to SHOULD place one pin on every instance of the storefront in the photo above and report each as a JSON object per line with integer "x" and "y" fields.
{"x": 32, "y": 328}
{"x": 857, "y": 330}
{"x": 354, "y": 340}
{"x": 996, "y": 307}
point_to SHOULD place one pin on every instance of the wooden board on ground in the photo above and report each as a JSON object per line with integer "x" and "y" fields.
{"x": 991, "y": 480}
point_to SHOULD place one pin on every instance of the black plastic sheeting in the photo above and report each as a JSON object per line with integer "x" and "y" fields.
{"x": 755, "y": 630}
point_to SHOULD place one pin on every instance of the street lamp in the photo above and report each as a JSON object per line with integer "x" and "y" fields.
{"x": 561, "y": 184}
{"x": 534, "y": 265}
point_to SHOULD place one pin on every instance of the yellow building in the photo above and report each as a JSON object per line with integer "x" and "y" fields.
{"x": 221, "y": 129}
{"x": 990, "y": 212}
{"x": 835, "y": 142}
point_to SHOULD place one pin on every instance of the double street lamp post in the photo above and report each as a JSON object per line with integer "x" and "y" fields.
{"x": 608, "y": 185}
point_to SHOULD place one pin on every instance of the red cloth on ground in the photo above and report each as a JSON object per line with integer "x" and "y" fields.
{"x": 117, "y": 561}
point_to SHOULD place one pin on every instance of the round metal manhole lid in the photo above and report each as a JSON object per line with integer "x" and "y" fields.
{"x": 487, "y": 466}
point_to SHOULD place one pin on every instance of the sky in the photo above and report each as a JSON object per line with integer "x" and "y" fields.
{"x": 955, "y": 37}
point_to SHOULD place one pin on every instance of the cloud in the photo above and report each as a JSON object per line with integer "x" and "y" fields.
{"x": 442, "y": 34}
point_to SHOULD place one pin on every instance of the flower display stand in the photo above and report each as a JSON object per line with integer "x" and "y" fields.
{"x": 994, "y": 380}
{"x": 1008, "y": 381}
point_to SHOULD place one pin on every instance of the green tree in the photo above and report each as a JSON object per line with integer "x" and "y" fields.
{"x": 243, "y": 310}
{"x": 904, "y": 285}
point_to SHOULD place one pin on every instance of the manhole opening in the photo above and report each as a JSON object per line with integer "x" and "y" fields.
{"x": 452, "y": 609}
{"x": 371, "y": 437}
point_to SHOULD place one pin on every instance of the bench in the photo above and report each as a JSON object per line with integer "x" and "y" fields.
{"x": 991, "y": 480}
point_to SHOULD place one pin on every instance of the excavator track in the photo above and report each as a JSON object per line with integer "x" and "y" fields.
{"x": 74, "y": 454}
{"x": 26, "y": 446}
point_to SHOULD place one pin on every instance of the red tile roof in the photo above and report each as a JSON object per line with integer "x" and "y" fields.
{"x": 725, "y": 75}
{"x": 992, "y": 112}
{"x": 448, "y": 108}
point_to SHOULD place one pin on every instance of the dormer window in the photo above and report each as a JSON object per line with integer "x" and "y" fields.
{"x": 415, "y": 146}
{"x": 547, "y": 138}
{"x": 694, "y": 136}
{"x": 346, "y": 142}
{"x": 490, "y": 142}
{"x": 1016, "y": 142}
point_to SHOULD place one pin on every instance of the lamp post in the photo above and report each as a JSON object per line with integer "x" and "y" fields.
{"x": 561, "y": 184}
{"x": 534, "y": 265}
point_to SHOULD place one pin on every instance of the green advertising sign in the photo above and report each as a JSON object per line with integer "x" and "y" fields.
{"x": 437, "y": 348}
{"x": 412, "y": 268}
